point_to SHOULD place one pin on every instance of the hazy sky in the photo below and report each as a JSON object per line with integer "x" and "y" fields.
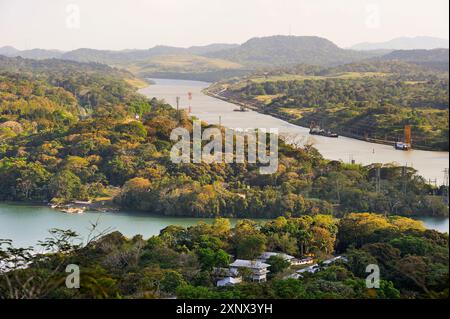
{"x": 120, "y": 24}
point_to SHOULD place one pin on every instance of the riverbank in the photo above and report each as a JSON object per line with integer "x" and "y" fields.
{"x": 296, "y": 121}
{"x": 26, "y": 224}
{"x": 215, "y": 111}
{"x": 79, "y": 207}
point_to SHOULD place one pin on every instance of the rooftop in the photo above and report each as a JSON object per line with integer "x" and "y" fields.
{"x": 229, "y": 281}
{"x": 240, "y": 263}
{"x": 267, "y": 255}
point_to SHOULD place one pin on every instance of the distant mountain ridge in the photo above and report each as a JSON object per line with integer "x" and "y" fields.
{"x": 36, "y": 54}
{"x": 266, "y": 51}
{"x": 405, "y": 43}
{"x": 8, "y": 51}
{"x": 109, "y": 56}
{"x": 217, "y": 61}
{"x": 435, "y": 59}
{"x": 289, "y": 50}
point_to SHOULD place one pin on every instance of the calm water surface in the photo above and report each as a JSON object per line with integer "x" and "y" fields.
{"x": 26, "y": 225}
{"x": 430, "y": 165}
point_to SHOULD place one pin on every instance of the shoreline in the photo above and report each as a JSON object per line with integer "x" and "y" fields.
{"x": 288, "y": 119}
{"x": 116, "y": 209}
{"x": 65, "y": 208}
{"x": 429, "y": 164}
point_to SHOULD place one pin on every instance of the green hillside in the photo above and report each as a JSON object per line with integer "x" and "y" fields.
{"x": 366, "y": 100}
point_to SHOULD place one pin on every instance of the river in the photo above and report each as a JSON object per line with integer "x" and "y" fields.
{"x": 26, "y": 224}
{"x": 430, "y": 165}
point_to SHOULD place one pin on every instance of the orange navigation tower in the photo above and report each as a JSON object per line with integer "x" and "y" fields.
{"x": 408, "y": 138}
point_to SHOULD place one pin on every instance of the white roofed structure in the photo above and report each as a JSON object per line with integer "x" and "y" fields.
{"x": 259, "y": 269}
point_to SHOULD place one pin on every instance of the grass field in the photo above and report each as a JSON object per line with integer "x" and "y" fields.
{"x": 293, "y": 77}
{"x": 137, "y": 83}
{"x": 181, "y": 64}
{"x": 266, "y": 99}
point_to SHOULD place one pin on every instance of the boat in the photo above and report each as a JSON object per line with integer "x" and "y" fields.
{"x": 241, "y": 109}
{"x": 69, "y": 209}
{"x": 406, "y": 145}
{"x": 401, "y": 146}
{"x": 332, "y": 135}
{"x": 317, "y": 130}
{"x": 73, "y": 210}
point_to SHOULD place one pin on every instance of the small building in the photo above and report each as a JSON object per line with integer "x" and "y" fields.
{"x": 267, "y": 255}
{"x": 293, "y": 276}
{"x": 229, "y": 281}
{"x": 258, "y": 268}
{"x": 311, "y": 269}
{"x": 302, "y": 262}
{"x": 316, "y": 267}
{"x": 291, "y": 259}
{"x": 333, "y": 260}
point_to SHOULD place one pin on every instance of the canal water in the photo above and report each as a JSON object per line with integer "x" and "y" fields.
{"x": 430, "y": 165}
{"x": 26, "y": 224}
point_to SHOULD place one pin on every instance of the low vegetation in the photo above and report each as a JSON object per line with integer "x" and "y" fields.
{"x": 367, "y": 100}
{"x": 74, "y": 131}
{"x": 88, "y": 135}
{"x": 180, "y": 262}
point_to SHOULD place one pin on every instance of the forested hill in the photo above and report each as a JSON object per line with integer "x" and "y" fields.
{"x": 54, "y": 67}
{"x": 405, "y": 43}
{"x": 255, "y": 53}
{"x": 219, "y": 61}
{"x": 67, "y": 135}
{"x": 289, "y": 50}
{"x": 113, "y": 57}
{"x": 371, "y": 100}
{"x": 187, "y": 263}
{"x": 435, "y": 59}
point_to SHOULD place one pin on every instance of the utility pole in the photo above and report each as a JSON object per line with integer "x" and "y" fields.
{"x": 445, "y": 190}
{"x": 352, "y": 159}
{"x": 404, "y": 176}
{"x": 190, "y": 101}
{"x": 178, "y": 108}
{"x": 433, "y": 183}
{"x": 378, "y": 180}
{"x": 338, "y": 193}
{"x": 435, "y": 187}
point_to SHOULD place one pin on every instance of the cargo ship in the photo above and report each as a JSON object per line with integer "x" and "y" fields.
{"x": 317, "y": 130}
{"x": 242, "y": 109}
